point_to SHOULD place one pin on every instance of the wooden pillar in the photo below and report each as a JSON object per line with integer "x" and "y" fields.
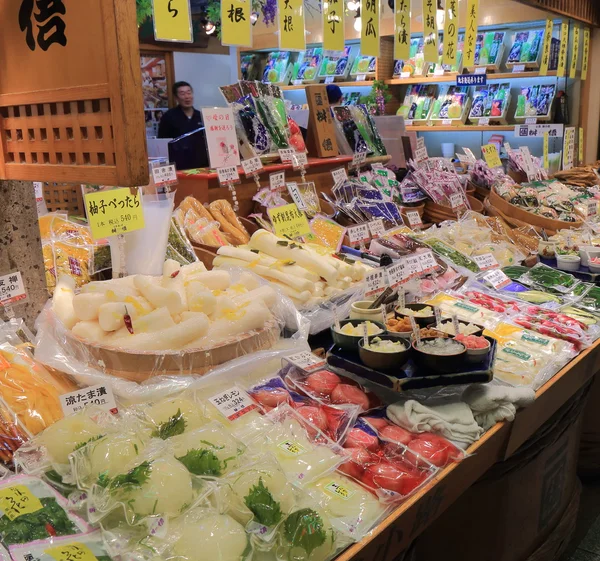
{"x": 20, "y": 246}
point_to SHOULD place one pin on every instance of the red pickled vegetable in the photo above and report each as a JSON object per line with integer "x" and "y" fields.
{"x": 345, "y": 393}
{"x": 271, "y": 397}
{"x": 377, "y": 423}
{"x": 314, "y": 415}
{"x": 358, "y": 438}
{"x": 323, "y": 382}
{"x": 396, "y": 434}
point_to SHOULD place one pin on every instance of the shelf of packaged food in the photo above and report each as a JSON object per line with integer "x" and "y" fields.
{"x": 362, "y": 84}
{"x": 452, "y": 128}
{"x": 452, "y": 78}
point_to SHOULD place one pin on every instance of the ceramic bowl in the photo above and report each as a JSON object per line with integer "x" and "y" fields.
{"x": 384, "y": 361}
{"x": 431, "y": 364}
{"x": 568, "y": 262}
{"x": 421, "y": 321}
{"x": 350, "y": 342}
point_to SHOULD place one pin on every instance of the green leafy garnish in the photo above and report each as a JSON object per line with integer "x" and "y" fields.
{"x": 282, "y": 242}
{"x": 133, "y": 479}
{"x": 201, "y": 461}
{"x": 174, "y": 426}
{"x": 261, "y": 503}
{"x": 85, "y": 443}
{"x": 304, "y": 529}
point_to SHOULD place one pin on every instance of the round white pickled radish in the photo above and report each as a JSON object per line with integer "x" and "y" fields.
{"x": 273, "y": 479}
{"x": 162, "y": 411}
{"x": 167, "y": 489}
{"x": 217, "y": 537}
{"x": 112, "y": 452}
{"x": 61, "y": 438}
{"x": 225, "y": 448}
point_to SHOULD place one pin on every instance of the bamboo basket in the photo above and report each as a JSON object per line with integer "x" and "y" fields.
{"x": 438, "y": 213}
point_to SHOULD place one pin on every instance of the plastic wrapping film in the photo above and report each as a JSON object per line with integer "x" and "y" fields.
{"x": 249, "y": 318}
{"x": 84, "y": 547}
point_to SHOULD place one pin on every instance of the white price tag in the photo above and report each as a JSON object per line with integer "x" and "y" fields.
{"x": 376, "y": 281}
{"x": 414, "y": 219}
{"x": 164, "y": 174}
{"x": 357, "y": 234}
{"x": 252, "y": 165}
{"x": 591, "y": 207}
{"x": 277, "y": 180}
{"x": 228, "y": 174}
{"x": 463, "y": 159}
{"x": 408, "y": 122}
{"x": 12, "y": 289}
{"x": 518, "y": 68}
{"x": 480, "y": 70}
{"x": 427, "y": 261}
{"x": 531, "y": 121}
{"x": 530, "y": 168}
{"x": 297, "y": 82}
{"x": 397, "y": 273}
{"x": 507, "y": 148}
{"x": 439, "y": 71}
{"x": 421, "y": 152}
{"x": 377, "y": 228}
{"x": 404, "y": 75}
{"x": 233, "y": 403}
{"x": 446, "y": 122}
{"x": 413, "y": 265}
{"x": 456, "y": 201}
{"x": 38, "y": 190}
{"x": 306, "y": 360}
{"x": 484, "y": 121}
{"x": 339, "y": 176}
{"x": 470, "y": 154}
{"x": 358, "y": 159}
{"x": 286, "y": 154}
{"x": 361, "y": 77}
{"x": 294, "y": 192}
{"x": 299, "y": 160}
{"x": 486, "y": 261}
{"x": 99, "y": 396}
{"x": 329, "y": 79}
{"x": 497, "y": 279}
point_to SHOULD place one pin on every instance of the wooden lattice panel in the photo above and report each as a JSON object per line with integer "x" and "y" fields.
{"x": 63, "y": 196}
{"x": 71, "y": 106}
{"x": 587, "y": 11}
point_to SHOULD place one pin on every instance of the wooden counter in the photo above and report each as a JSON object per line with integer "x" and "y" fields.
{"x": 411, "y": 518}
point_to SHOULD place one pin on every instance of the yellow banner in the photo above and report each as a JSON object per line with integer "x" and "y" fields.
{"x": 430, "y": 36}
{"x": 402, "y": 30}
{"x": 450, "y": 33}
{"x": 562, "y": 53}
{"x": 546, "y": 150}
{"x": 471, "y": 33}
{"x": 490, "y": 154}
{"x": 581, "y": 155}
{"x": 172, "y": 21}
{"x": 586, "y": 53}
{"x": 546, "y": 48}
{"x": 575, "y": 54}
{"x": 291, "y": 25}
{"x": 369, "y": 34}
{"x": 113, "y": 212}
{"x": 288, "y": 221}
{"x": 236, "y": 27}
{"x": 333, "y": 25}
{"x": 569, "y": 147}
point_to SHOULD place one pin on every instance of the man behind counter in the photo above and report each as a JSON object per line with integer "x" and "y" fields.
{"x": 183, "y": 118}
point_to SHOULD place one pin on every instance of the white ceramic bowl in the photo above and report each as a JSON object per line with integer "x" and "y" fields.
{"x": 568, "y": 262}
{"x": 586, "y": 252}
{"x": 594, "y": 267}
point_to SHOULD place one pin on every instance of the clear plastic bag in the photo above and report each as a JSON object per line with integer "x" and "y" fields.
{"x": 83, "y": 547}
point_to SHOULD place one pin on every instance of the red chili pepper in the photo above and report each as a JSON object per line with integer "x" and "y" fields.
{"x": 128, "y": 323}
{"x": 50, "y": 529}
{"x": 175, "y": 273}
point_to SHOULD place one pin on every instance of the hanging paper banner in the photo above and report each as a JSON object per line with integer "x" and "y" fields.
{"x": 580, "y": 144}
{"x": 546, "y": 150}
{"x": 586, "y": 53}
{"x": 333, "y": 25}
{"x": 471, "y": 33}
{"x": 369, "y": 34}
{"x": 402, "y": 30}
{"x": 575, "y": 54}
{"x": 172, "y": 20}
{"x": 562, "y": 53}
{"x": 291, "y": 25}
{"x": 546, "y": 48}
{"x": 450, "y": 33}
{"x": 430, "y": 36}
{"x": 569, "y": 148}
{"x": 236, "y": 27}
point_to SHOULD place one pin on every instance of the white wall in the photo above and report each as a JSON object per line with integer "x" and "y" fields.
{"x": 206, "y": 72}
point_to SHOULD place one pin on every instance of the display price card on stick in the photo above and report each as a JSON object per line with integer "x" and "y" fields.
{"x": 114, "y": 211}
{"x": 497, "y": 279}
{"x": 358, "y": 234}
{"x": 233, "y": 403}
{"x": 277, "y": 180}
{"x": 376, "y": 282}
{"x": 490, "y": 154}
{"x": 221, "y": 139}
{"x": 376, "y": 228}
{"x": 288, "y": 221}
{"x": 164, "y": 175}
{"x": 414, "y": 219}
{"x": 294, "y": 192}
{"x": 486, "y": 261}
{"x": 100, "y": 396}
{"x": 306, "y": 360}
{"x": 12, "y": 289}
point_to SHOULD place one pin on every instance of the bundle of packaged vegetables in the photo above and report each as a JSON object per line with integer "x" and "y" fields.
{"x": 69, "y": 249}
{"x": 450, "y": 305}
{"x": 546, "y": 278}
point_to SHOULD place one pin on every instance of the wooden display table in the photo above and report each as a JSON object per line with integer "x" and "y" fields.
{"x": 411, "y": 518}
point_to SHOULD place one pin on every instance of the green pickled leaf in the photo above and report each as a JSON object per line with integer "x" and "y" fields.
{"x": 133, "y": 479}
{"x": 201, "y": 461}
{"x": 261, "y": 503}
{"x": 93, "y": 439}
{"x": 305, "y": 529}
{"x": 174, "y": 426}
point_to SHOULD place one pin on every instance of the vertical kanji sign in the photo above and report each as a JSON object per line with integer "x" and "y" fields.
{"x": 471, "y": 33}
{"x": 236, "y": 27}
{"x": 546, "y": 48}
{"x": 586, "y": 53}
{"x": 333, "y": 25}
{"x": 291, "y": 25}
{"x": 172, "y": 20}
{"x": 402, "y": 30}
{"x": 450, "y": 33}
{"x": 320, "y": 138}
{"x": 562, "y": 53}
{"x": 575, "y": 53}
{"x": 430, "y": 36}
{"x": 369, "y": 35}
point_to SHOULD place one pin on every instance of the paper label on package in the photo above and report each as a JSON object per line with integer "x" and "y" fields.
{"x": 233, "y": 403}
{"x": 397, "y": 273}
{"x": 12, "y": 289}
{"x": 339, "y": 176}
{"x": 357, "y": 234}
{"x": 469, "y": 154}
{"x": 306, "y": 361}
{"x": 414, "y": 218}
{"x": 336, "y": 489}
{"x": 376, "y": 227}
{"x": 276, "y": 180}
{"x": 376, "y": 282}
{"x": 491, "y": 156}
{"x": 292, "y": 448}
{"x": 591, "y": 207}
{"x": 359, "y": 158}
{"x": 75, "y": 551}
{"x": 252, "y": 165}
{"x": 427, "y": 261}
{"x": 289, "y": 221}
{"x": 497, "y": 279}
{"x": 164, "y": 175}
{"x": 535, "y": 339}
{"x": 18, "y": 500}
{"x": 456, "y": 201}
{"x": 100, "y": 396}
{"x": 285, "y": 154}
{"x": 228, "y": 174}
{"x": 299, "y": 160}
{"x": 486, "y": 261}
{"x": 294, "y": 192}
{"x": 421, "y": 151}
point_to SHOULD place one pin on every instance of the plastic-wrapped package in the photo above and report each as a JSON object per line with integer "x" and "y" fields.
{"x": 12, "y": 434}
{"x": 465, "y": 311}
{"x": 352, "y": 509}
{"x": 173, "y": 416}
{"x": 31, "y": 510}
{"x": 547, "y": 278}
{"x": 178, "y": 246}
{"x": 84, "y": 547}
{"x": 302, "y": 450}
